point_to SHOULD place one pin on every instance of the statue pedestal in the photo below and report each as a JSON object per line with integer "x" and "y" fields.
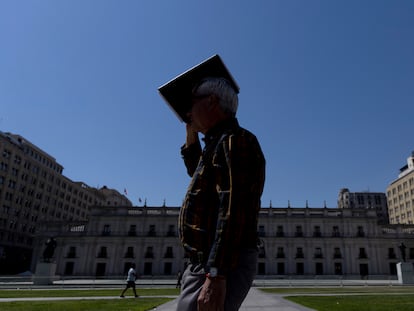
{"x": 45, "y": 273}
{"x": 405, "y": 273}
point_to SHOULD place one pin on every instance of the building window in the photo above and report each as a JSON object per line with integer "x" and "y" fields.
{"x": 299, "y": 253}
{"x": 262, "y": 250}
{"x": 103, "y": 252}
{"x": 338, "y": 268}
{"x": 167, "y": 268}
{"x": 261, "y": 268}
{"x": 100, "y": 269}
{"x": 151, "y": 231}
{"x": 72, "y": 252}
{"x": 69, "y": 267}
{"x": 148, "y": 268}
{"x": 132, "y": 230}
{"x": 299, "y": 232}
{"x": 362, "y": 253}
{"x": 262, "y": 231}
{"x": 317, "y": 231}
{"x": 393, "y": 268}
{"x": 150, "y": 252}
{"x": 411, "y": 253}
{"x": 335, "y": 231}
{"x": 280, "y": 252}
{"x": 130, "y": 252}
{"x": 363, "y": 269}
{"x": 280, "y": 268}
{"x": 360, "y": 231}
{"x": 106, "y": 230}
{"x": 169, "y": 252}
{"x": 337, "y": 253}
{"x": 280, "y": 232}
{"x": 171, "y": 231}
{"x": 300, "y": 268}
{"x": 318, "y": 252}
{"x": 318, "y": 268}
{"x": 391, "y": 253}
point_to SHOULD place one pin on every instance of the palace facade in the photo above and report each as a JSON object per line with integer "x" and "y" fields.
{"x": 294, "y": 242}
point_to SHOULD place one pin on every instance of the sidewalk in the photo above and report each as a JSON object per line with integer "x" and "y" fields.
{"x": 256, "y": 300}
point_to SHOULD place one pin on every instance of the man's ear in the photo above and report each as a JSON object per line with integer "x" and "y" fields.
{"x": 213, "y": 102}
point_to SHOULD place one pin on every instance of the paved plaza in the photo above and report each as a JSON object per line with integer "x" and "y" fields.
{"x": 256, "y": 300}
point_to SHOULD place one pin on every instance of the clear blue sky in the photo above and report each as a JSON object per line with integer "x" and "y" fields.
{"x": 326, "y": 86}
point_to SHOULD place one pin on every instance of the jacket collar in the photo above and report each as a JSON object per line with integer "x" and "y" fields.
{"x": 220, "y": 128}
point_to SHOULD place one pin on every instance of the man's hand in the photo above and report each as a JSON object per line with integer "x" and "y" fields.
{"x": 191, "y": 137}
{"x": 212, "y": 295}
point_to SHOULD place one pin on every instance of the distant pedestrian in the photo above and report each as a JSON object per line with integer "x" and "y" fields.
{"x": 132, "y": 276}
{"x": 179, "y": 276}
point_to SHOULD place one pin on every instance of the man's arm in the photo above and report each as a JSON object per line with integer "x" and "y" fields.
{"x": 191, "y": 150}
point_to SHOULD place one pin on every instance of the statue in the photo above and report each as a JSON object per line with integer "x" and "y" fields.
{"x": 49, "y": 249}
{"x": 402, "y": 248}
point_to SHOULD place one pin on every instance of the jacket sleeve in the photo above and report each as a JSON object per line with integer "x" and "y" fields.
{"x": 191, "y": 156}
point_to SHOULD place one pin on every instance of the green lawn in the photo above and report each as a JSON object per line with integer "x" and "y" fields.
{"x": 357, "y": 303}
{"x": 381, "y": 298}
{"x": 118, "y": 304}
{"x": 341, "y": 290}
{"x": 140, "y": 304}
{"x": 366, "y": 298}
{"x": 24, "y": 293}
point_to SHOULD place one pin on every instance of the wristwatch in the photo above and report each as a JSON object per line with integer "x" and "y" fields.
{"x": 213, "y": 272}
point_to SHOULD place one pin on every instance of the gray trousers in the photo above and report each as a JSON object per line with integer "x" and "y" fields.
{"x": 238, "y": 283}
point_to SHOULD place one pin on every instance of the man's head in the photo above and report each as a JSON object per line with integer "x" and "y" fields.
{"x": 212, "y": 100}
{"x": 212, "y": 77}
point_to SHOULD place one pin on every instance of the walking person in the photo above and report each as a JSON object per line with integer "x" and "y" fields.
{"x": 218, "y": 219}
{"x": 132, "y": 276}
{"x": 179, "y": 277}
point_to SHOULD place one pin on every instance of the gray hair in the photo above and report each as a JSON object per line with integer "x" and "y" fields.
{"x": 227, "y": 96}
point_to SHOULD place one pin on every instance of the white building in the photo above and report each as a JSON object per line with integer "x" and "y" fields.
{"x": 400, "y": 195}
{"x": 294, "y": 242}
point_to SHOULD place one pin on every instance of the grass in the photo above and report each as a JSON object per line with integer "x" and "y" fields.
{"x": 367, "y": 298}
{"x": 28, "y": 293}
{"x": 341, "y": 290}
{"x": 118, "y": 304}
{"x": 356, "y": 303}
{"x": 141, "y": 304}
{"x": 380, "y": 298}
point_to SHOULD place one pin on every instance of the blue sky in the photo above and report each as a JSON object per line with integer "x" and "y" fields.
{"x": 326, "y": 86}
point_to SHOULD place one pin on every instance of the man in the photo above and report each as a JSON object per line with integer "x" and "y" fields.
{"x": 132, "y": 275}
{"x": 218, "y": 219}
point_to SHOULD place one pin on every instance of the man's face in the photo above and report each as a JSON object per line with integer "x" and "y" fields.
{"x": 200, "y": 113}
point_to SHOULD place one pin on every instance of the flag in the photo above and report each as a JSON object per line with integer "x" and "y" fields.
{"x": 125, "y": 191}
